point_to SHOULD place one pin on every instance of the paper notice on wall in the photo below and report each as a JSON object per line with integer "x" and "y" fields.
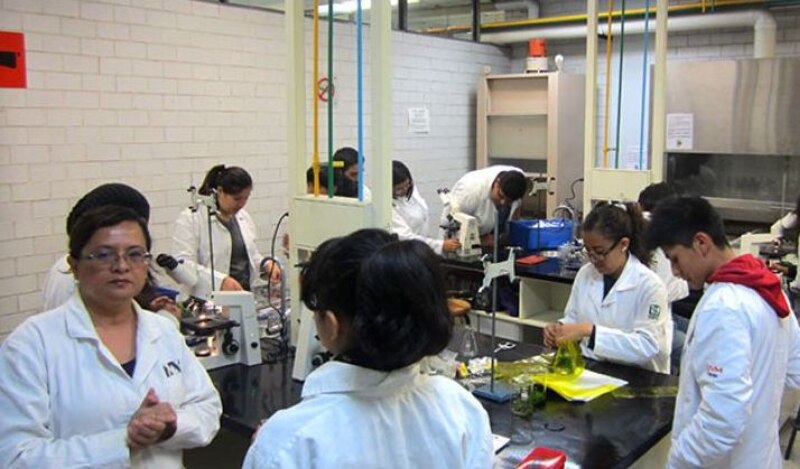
{"x": 680, "y": 131}
{"x": 631, "y": 158}
{"x": 419, "y": 120}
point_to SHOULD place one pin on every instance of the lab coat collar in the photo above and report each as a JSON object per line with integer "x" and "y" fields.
{"x": 79, "y": 326}
{"x": 339, "y": 377}
{"x": 628, "y": 280}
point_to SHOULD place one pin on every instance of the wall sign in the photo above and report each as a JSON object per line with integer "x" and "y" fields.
{"x": 419, "y": 120}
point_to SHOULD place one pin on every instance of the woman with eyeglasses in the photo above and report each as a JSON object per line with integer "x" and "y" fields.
{"x": 410, "y": 212}
{"x": 98, "y": 381}
{"x": 617, "y": 308}
{"x": 238, "y": 264}
{"x": 380, "y": 307}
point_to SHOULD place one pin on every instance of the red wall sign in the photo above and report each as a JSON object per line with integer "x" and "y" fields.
{"x": 12, "y": 60}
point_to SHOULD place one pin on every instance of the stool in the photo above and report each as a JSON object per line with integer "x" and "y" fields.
{"x": 459, "y": 310}
{"x": 795, "y": 426}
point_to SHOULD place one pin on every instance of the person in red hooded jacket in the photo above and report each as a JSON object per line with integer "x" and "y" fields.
{"x": 742, "y": 345}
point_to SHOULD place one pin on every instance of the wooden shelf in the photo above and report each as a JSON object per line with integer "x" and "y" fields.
{"x": 517, "y": 114}
{"x": 533, "y": 118}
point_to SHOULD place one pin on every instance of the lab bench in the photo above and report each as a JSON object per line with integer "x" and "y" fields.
{"x": 607, "y": 432}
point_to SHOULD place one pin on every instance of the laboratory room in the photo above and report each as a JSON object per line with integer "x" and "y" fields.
{"x": 407, "y": 233}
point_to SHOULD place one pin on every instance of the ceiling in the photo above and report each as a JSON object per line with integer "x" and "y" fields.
{"x": 423, "y": 15}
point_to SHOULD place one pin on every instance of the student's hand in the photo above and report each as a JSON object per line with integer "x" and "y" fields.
{"x": 451, "y": 245}
{"x": 154, "y": 421}
{"x": 551, "y": 333}
{"x": 167, "y": 304}
{"x": 778, "y": 267}
{"x": 285, "y": 245}
{"x": 230, "y": 284}
{"x": 574, "y": 332}
{"x": 271, "y": 271}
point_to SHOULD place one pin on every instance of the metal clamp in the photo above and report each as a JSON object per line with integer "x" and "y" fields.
{"x": 493, "y": 270}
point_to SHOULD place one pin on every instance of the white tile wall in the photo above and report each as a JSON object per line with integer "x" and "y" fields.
{"x": 153, "y": 93}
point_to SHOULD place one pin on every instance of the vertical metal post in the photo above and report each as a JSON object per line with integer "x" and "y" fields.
{"x": 295, "y": 127}
{"x": 658, "y": 140}
{"x": 590, "y": 113}
{"x": 381, "y": 73}
{"x": 476, "y": 20}
{"x": 402, "y": 15}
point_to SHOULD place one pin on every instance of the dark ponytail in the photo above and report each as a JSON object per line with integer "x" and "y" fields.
{"x": 232, "y": 180}
{"x": 620, "y": 220}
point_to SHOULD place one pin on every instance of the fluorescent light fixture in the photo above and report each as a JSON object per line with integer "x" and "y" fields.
{"x": 350, "y": 6}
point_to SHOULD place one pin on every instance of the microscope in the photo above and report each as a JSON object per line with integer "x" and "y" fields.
{"x": 460, "y": 226}
{"x": 223, "y": 330}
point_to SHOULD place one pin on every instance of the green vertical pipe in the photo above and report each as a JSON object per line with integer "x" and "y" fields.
{"x": 330, "y": 99}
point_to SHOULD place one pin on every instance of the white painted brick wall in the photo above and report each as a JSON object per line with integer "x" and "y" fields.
{"x": 154, "y": 92}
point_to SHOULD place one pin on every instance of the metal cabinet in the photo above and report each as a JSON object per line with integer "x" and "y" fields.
{"x": 534, "y": 122}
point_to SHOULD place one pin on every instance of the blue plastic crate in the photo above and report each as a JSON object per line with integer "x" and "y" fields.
{"x": 538, "y": 235}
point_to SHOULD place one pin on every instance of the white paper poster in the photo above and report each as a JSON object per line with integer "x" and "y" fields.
{"x": 680, "y": 131}
{"x": 419, "y": 120}
{"x": 631, "y": 158}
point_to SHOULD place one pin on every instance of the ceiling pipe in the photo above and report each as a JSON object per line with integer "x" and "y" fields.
{"x": 761, "y": 21}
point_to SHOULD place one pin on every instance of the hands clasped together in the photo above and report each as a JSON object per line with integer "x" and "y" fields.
{"x": 152, "y": 423}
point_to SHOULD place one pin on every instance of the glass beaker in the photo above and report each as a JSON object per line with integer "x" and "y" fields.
{"x": 522, "y": 410}
{"x": 469, "y": 343}
{"x": 569, "y": 361}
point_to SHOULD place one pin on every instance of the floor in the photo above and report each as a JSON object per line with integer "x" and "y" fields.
{"x": 228, "y": 451}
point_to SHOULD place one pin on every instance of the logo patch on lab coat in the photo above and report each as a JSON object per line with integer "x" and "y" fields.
{"x": 172, "y": 367}
{"x": 654, "y": 312}
{"x": 713, "y": 370}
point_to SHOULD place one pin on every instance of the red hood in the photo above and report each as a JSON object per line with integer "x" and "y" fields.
{"x": 752, "y": 273}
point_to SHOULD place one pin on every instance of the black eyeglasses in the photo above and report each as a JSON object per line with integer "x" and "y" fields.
{"x": 600, "y": 255}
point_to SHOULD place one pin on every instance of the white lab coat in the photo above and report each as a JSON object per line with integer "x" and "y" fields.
{"x": 677, "y": 288}
{"x": 59, "y": 285}
{"x": 356, "y": 417}
{"x": 66, "y": 401}
{"x": 737, "y": 356}
{"x": 632, "y": 323}
{"x": 471, "y": 193}
{"x": 190, "y": 244}
{"x": 779, "y": 228}
{"x": 410, "y": 220}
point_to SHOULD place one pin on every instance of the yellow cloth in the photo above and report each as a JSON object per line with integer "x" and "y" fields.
{"x": 586, "y": 387}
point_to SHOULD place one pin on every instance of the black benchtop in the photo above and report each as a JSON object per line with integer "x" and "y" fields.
{"x": 607, "y": 432}
{"x": 551, "y": 269}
